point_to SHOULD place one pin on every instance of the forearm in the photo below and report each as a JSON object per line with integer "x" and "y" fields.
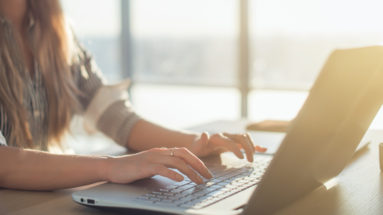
{"x": 35, "y": 170}
{"x": 146, "y": 135}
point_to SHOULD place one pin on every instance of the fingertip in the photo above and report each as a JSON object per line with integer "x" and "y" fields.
{"x": 240, "y": 155}
{"x": 260, "y": 149}
{"x": 250, "y": 159}
{"x": 209, "y": 174}
{"x": 198, "y": 180}
{"x": 204, "y": 136}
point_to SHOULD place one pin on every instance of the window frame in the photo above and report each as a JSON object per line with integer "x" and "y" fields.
{"x": 242, "y": 72}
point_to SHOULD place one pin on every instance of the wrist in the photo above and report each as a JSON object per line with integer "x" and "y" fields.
{"x": 195, "y": 145}
{"x": 104, "y": 167}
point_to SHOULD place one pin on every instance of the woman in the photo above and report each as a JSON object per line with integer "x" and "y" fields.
{"x": 45, "y": 78}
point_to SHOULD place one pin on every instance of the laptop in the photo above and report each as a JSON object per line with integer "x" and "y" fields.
{"x": 322, "y": 138}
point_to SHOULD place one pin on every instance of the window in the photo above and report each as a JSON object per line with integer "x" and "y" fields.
{"x": 184, "y": 42}
{"x": 173, "y": 42}
{"x": 292, "y": 39}
{"x": 97, "y": 25}
{"x": 179, "y": 47}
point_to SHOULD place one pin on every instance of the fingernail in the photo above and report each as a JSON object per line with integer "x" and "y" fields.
{"x": 210, "y": 174}
{"x": 199, "y": 180}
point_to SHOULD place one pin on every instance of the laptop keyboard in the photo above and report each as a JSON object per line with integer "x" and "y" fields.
{"x": 187, "y": 194}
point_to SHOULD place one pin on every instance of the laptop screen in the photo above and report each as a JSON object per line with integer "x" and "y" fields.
{"x": 323, "y": 137}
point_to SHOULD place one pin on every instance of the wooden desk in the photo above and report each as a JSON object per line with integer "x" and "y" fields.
{"x": 359, "y": 191}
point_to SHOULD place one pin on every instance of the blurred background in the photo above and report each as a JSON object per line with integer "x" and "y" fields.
{"x": 194, "y": 61}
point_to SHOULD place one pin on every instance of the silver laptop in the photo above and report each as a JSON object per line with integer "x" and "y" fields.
{"x": 320, "y": 141}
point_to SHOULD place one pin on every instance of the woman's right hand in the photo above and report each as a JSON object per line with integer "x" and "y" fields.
{"x": 156, "y": 161}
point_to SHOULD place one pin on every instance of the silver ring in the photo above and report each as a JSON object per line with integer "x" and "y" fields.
{"x": 171, "y": 153}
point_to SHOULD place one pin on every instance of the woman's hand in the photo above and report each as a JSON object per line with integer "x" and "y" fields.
{"x": 221, "y": 142}
{"x": 156, "y": 161}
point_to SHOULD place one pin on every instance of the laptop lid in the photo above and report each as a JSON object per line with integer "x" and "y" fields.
{"x": 323, "y": 137}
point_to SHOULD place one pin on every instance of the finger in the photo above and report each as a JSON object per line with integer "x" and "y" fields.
{"x": 260, "y": 149}
{"x": 243, "y": 140}
{"x": 256, "y": 148}
{"x": 222, "y": 141}
{"x": 204, "y": 137}
{"x": 192, "y": 160}
{"x": 250, "y": 142}
{"x": 178, "y": 163}
{"x": 249, "y": 148}
{"x": 166, "y": 172}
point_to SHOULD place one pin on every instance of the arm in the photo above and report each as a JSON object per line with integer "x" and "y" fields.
{"x": 145, "y": 135}
{"x": 35, "y": 170}
{"x": 120, "y": 122}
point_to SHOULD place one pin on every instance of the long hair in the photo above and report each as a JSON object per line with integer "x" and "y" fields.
{"x": 51, "y": 47}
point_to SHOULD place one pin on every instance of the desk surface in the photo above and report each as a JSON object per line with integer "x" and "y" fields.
{"x": 359, "y": 191}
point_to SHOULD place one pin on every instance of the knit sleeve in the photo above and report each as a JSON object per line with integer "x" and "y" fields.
{"x": 3, "y": 142}
{"x": 3, "y": 127}
{"x": 105, "y": 107}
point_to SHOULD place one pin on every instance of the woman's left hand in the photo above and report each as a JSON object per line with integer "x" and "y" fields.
{"x": 217, "y": 143}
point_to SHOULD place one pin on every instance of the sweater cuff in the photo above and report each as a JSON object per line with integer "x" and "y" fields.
{"x": 3, "y": 142}
{"x": 117, "y": 121}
